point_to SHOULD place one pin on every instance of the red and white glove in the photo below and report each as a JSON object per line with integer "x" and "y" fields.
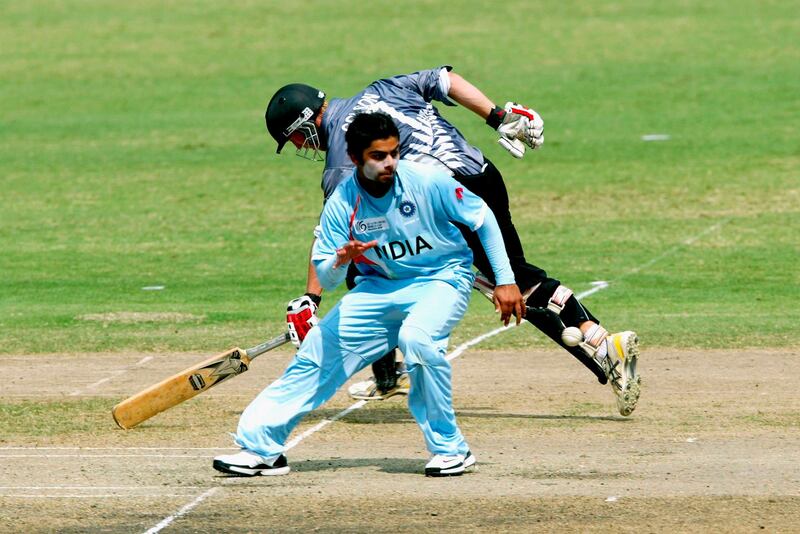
{"x": 301, "y": 316}
{"x": 520, "y": 126}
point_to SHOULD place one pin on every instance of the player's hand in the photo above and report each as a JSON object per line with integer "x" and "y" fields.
{"x": 508, "y": 301}
{"x": 301, "y": 316}
{"x": 352, "y": 249}
{"x": 521, "y": 126}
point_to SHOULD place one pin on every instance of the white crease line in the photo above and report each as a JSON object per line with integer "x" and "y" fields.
{"x": 81, "y": 393}
{"x": 113, "y": 375}
{"x": 99, "y": 496}
{"x": 183, "y": 511}
{"x": 457, "y": 352}
{"x": 599, "y": 285}
{"x": 118, "y": 448}
{"x": 669, "y": 252}
{"x": 24, "y": 488}
{"x": 325, "y": 422}
{"x": 187, "y": 456}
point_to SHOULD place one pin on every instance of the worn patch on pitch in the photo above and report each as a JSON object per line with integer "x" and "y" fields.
{"x": 141, "y": 317}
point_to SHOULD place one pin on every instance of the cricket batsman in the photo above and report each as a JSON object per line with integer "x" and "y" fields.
{"x": 303, "y": 116}
{"x": 395, "y": 222}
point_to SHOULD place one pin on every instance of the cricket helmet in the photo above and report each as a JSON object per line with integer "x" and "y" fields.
{"x": 293, "y": 108}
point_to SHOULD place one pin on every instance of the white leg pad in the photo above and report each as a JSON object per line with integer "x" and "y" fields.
{"x": 559, "y": 299}
{"x": 593, "y": 339}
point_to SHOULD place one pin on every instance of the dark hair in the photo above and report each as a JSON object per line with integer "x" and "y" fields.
{"x": 366, "y": 128}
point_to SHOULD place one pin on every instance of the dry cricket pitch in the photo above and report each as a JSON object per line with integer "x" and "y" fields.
{"x": 713, "y": 446}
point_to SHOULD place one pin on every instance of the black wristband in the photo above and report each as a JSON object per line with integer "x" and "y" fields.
{"x": 496, "y": 116}
{"x": 317, "y": 299}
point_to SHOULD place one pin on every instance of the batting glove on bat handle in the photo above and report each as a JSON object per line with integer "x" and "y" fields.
{"x": 301, "y": 317}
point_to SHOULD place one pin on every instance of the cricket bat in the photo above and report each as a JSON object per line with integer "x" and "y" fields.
{"x": 189, "y": 383}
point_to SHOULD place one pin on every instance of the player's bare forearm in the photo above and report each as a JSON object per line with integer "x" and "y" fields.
{"x": 469, "y": 96}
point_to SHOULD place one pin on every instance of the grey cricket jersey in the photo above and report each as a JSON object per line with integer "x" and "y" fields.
{"x": 425, "y": 135}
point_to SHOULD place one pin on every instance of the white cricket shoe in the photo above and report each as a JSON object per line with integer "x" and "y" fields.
{"x": 469, "y": 460}
{"x": 448, "y": 466}
{"x": 248, "y": 464}
{"x": 620, "y": 366}
{"x": 368, "y": 390}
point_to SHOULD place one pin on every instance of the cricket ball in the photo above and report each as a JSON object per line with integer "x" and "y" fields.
{"x": 571, "y": 336}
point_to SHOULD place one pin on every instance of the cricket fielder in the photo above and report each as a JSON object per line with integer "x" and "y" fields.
{"x": 395, "y": 222}
{"x": 302, "y": 115}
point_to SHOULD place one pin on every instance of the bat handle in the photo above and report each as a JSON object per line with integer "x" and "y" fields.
{"x": 268, "y": 345}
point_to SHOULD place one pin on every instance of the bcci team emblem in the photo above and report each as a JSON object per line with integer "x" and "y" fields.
{"x": 407, "y": 208}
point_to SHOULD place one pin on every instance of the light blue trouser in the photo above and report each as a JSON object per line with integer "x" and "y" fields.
{"x": 377, "y": 315}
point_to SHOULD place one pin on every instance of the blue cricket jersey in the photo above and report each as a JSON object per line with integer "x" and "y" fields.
{"x": 413, "y": 223}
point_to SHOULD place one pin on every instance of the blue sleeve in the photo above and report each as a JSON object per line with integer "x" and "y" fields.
{"x": 463, "y": 206}
{"x": 333, "y": 233}
{"x": 457, "y": 202}
{"x": 492, "y": 241}
{"x": 430, "y": 84}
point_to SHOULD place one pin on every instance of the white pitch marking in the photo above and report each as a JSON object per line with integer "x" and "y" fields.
{"x": 118, "y": 448}
{"x": 94, "y": 487}
{"x": 101, "y": 456}
{"x": 183, "y": 511}
{"x": 669, "y": 252}
{"x": 209, "y": 394}
{"x": 598, "y": 285}
{"x": 325, "y": 422}
{"x": 655, "y": 137}
{"x": 99, "y": 496}
{"x": 113, "y": 375}
{"x": 454, "y": 354}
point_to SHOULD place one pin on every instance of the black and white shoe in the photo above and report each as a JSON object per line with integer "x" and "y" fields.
{"x": 442, "y": 465}
{"x": 248, "y": 464}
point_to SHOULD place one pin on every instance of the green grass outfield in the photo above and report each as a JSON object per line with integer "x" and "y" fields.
{"x": 133, "y": 154}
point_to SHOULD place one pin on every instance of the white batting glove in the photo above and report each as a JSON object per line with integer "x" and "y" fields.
{"x": 301, "y": 316}
{"x": 521, "y": 126}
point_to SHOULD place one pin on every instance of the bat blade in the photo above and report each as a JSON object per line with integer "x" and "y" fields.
{"x": 188, "y": 383}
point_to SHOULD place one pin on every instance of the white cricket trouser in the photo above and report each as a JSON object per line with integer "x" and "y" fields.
{"x": 376, "y": 316}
